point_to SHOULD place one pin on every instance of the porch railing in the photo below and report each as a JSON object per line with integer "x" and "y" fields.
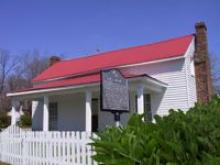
{"x": 19, "y": 147}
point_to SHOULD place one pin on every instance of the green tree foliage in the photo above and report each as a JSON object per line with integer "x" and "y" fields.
{"x": 25, "y": 120}
{"x": 179, "y": 138}
{"x": 4, "y": 120}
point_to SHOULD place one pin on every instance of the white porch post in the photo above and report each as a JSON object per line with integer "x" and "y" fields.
{"x": 88, "y": 119}
{"x": 13, "y": 113}
{"x": 140, "y": 100}
{"x": 46, "y": 114}
{"x": 34, "y": 106}
{"x": 21, "y": 112}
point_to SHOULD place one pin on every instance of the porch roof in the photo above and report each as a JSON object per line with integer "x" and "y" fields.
{"x": 82, "y": 81}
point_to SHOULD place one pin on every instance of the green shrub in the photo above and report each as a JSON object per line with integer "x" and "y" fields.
{"x": 179, "y": 138}
{"x": 5, "y": 120}
{"x": 25, "y": 120}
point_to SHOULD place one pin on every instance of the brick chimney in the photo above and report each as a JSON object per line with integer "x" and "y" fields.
{"x": 54, "y": 60}
{"x": 202, "y": 64}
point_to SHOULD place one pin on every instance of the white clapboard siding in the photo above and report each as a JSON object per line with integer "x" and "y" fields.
{"x": 180, "y": 92}
{"x": 190, "y": 74}
{"x": 19, "y": 147}
{"x": 174, "y": 74}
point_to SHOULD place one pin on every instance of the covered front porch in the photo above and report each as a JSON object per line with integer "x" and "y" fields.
{"x": 77, "y": 108}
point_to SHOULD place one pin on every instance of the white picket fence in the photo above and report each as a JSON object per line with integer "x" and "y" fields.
{"x": 19, "y": 147}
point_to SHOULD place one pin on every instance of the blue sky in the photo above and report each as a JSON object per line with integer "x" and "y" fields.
{"x": 80, "y": 27}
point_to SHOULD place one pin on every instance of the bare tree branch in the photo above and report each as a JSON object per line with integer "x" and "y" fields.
{"x": 17, "y": 72}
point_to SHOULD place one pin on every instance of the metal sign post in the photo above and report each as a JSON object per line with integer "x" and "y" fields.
{"x": 117, "y": 119}
{"x": 114, "y": 93}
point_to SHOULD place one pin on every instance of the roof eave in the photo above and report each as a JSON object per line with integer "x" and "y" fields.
{"x": 144, "y": 78}
{"x": 49, "y": 90}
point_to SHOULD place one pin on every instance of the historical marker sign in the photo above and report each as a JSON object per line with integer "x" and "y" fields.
{"x": 114, "y": 91}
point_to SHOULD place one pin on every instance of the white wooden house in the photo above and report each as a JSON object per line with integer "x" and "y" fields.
{"x": 161, "y": 76}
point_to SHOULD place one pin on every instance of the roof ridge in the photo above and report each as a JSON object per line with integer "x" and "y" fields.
{"x": 104, "y": 53}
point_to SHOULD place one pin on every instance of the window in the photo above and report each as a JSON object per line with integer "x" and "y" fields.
{"x": 95, "y": 113}
{"x": 53, "y": 115}
{"x": 147, "y": 107}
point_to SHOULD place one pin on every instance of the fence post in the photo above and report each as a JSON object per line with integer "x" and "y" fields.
{"x": 1, "y": 146}
{"x": 23, "y": 148}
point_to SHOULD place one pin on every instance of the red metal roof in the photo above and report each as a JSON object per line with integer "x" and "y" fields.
{"x": 74, "y": 81}
{"x": 161, "y": 50}
{"x": 80, "y": 80}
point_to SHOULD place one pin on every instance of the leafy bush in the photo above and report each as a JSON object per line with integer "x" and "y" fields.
{"x": 179, "y": 138}
{"x": 5, "y": 120}
{"x": 25, "y": 120}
